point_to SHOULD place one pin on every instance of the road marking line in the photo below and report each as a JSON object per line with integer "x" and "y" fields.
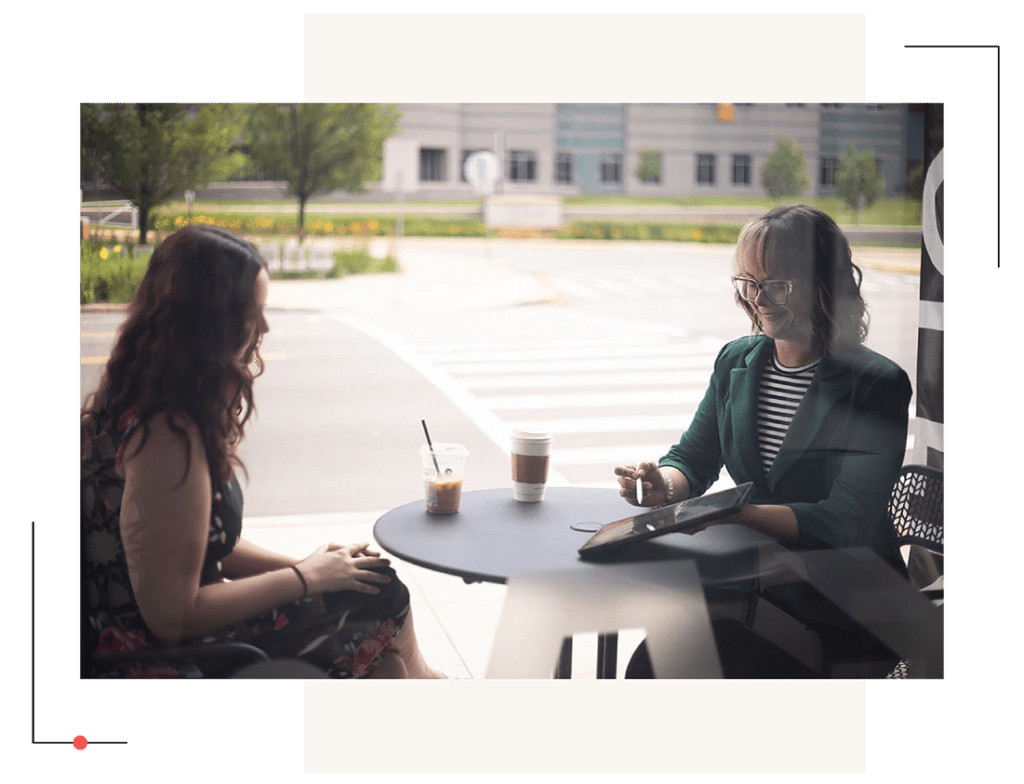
{"x": 631, "y": 400}
{"x": 471, "y": 406}
{"x": 557, "y": 352}
{"x": 610, "y": 456}
{"x": 673, "y": 423}
{"x": 702, "y": 362}
{"x": 451, "y": 347}
{"x": 568, "y": 381}
{"x": 575, "y": 289}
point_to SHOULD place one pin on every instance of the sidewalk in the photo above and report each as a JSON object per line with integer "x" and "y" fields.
{"x": 452, "y": 283}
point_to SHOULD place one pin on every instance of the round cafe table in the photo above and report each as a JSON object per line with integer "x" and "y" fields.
{"x": 493, "y": 536}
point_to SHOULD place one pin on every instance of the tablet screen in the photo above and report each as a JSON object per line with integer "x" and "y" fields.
{"x": 677, "y": 517}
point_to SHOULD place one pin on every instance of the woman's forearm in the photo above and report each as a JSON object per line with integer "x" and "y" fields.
{"x": 248, "y": 559}
{"x": 219, "y": 605}
{"x": 773, "y": 520}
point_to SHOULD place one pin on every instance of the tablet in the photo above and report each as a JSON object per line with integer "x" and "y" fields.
{"x": 681, "y": 517}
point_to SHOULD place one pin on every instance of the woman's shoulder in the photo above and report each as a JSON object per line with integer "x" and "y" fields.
{"x": 742, "y": 351}
{"x": 165, "y": 442}
{"x": 866, "y": 362}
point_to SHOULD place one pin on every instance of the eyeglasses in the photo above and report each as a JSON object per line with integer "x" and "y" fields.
{"x": 775, "y": 291}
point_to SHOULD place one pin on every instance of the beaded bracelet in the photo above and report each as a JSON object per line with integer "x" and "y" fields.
{"x": 670, "y": 489}
{"x": 305, "y": 586}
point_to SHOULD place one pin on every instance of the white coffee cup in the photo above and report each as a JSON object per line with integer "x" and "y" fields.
{"x": 531, "y": 457}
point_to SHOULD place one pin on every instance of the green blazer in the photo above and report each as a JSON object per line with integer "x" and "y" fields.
{"x": 840, "y": 458}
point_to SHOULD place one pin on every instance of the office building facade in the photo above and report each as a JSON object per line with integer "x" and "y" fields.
{"x": 653, "y": 149}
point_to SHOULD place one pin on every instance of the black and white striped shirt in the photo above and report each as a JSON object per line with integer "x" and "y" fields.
{"x": 780, "y": 393}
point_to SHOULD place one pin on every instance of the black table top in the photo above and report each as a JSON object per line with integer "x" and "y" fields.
{"x": 493, "y": 536}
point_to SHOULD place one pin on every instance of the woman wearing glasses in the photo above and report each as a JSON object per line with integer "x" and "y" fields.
{"x": 801, "y": 408}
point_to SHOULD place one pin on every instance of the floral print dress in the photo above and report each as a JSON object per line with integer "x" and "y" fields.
{"x": 342, "y": 633}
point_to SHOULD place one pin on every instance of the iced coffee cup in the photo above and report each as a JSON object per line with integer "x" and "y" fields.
{"x": 443, "y": 468}
{"x": 531, "y": 454}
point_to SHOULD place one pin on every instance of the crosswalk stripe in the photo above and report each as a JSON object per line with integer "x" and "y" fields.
{"x": 631, "y": 399}
{"x": 575, "y": 289}
{"x": 703, "y": 362}
{"x": 586, "y": 380}
{"x": 673, "y": 423}
{"x": 619, "y": 287}
{"x": 558, "y": 352}
{"x": 452, "y": 347}
{"x": 649, "y": 284}
{"x": 610, "y": 456}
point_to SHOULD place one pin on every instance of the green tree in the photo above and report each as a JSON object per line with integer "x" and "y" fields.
{"x": 318, "y": 148}
{"x": 859, "y": 181}
{"x": 785, "y": 172}
{"x": 650, "y": 166}
{"x": 150, "y": 153}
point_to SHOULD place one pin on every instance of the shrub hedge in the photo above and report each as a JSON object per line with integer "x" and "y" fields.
{"x": 426, "y": 226}
{"x": 110, "y": 272}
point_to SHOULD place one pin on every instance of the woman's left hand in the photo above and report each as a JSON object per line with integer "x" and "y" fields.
{"x": 362, "y": 549}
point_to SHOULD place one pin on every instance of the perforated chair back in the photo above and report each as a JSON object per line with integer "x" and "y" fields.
{"x": 916, "y": 507}
{"x": 916, "y": 512}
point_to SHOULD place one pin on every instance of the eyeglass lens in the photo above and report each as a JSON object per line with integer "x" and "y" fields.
{"x": 775, "y": 291}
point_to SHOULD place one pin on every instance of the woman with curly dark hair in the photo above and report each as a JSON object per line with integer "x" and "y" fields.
{"x": 802, "y": 409}
{"x": 163, "y": 556}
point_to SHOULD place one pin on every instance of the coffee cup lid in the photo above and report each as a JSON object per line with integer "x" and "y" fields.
{"x": 525, "y": 434}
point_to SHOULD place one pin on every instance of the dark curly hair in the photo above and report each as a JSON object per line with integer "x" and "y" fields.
{"x": 190, "y": 344}
{"x": 798, "y": 241}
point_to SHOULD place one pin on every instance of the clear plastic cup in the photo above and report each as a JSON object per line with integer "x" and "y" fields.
{"x": 443, "y": 470}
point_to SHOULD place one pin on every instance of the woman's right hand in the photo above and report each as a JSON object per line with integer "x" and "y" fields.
{"x": 655, "y": 489}
{"x": 350, "y": 567}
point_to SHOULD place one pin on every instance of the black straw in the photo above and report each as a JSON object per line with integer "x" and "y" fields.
{"x": 436, "y": 466}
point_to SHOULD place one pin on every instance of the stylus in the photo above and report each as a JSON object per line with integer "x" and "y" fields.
{"x": 639, "y": 484}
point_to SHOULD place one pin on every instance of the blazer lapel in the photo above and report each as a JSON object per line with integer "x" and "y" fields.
{"x": 744, "y": 382}
{"x": 826, "y": 391}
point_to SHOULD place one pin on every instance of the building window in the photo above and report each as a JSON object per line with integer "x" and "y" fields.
{"x": 650, "y": 167}
{"x": 462, "y": 165}
{"x": 741, "y": 170}
{"x": 563, "y": 168}
{"x": 706, "y": 168}
{"x": 432, "y": 165}
{"x": 611, "y": 167}
{"x": 829, "y": 167}
{"x": 522, "y": 166}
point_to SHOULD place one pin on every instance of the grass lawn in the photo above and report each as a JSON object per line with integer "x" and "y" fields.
{"x": 896, "y": 211}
